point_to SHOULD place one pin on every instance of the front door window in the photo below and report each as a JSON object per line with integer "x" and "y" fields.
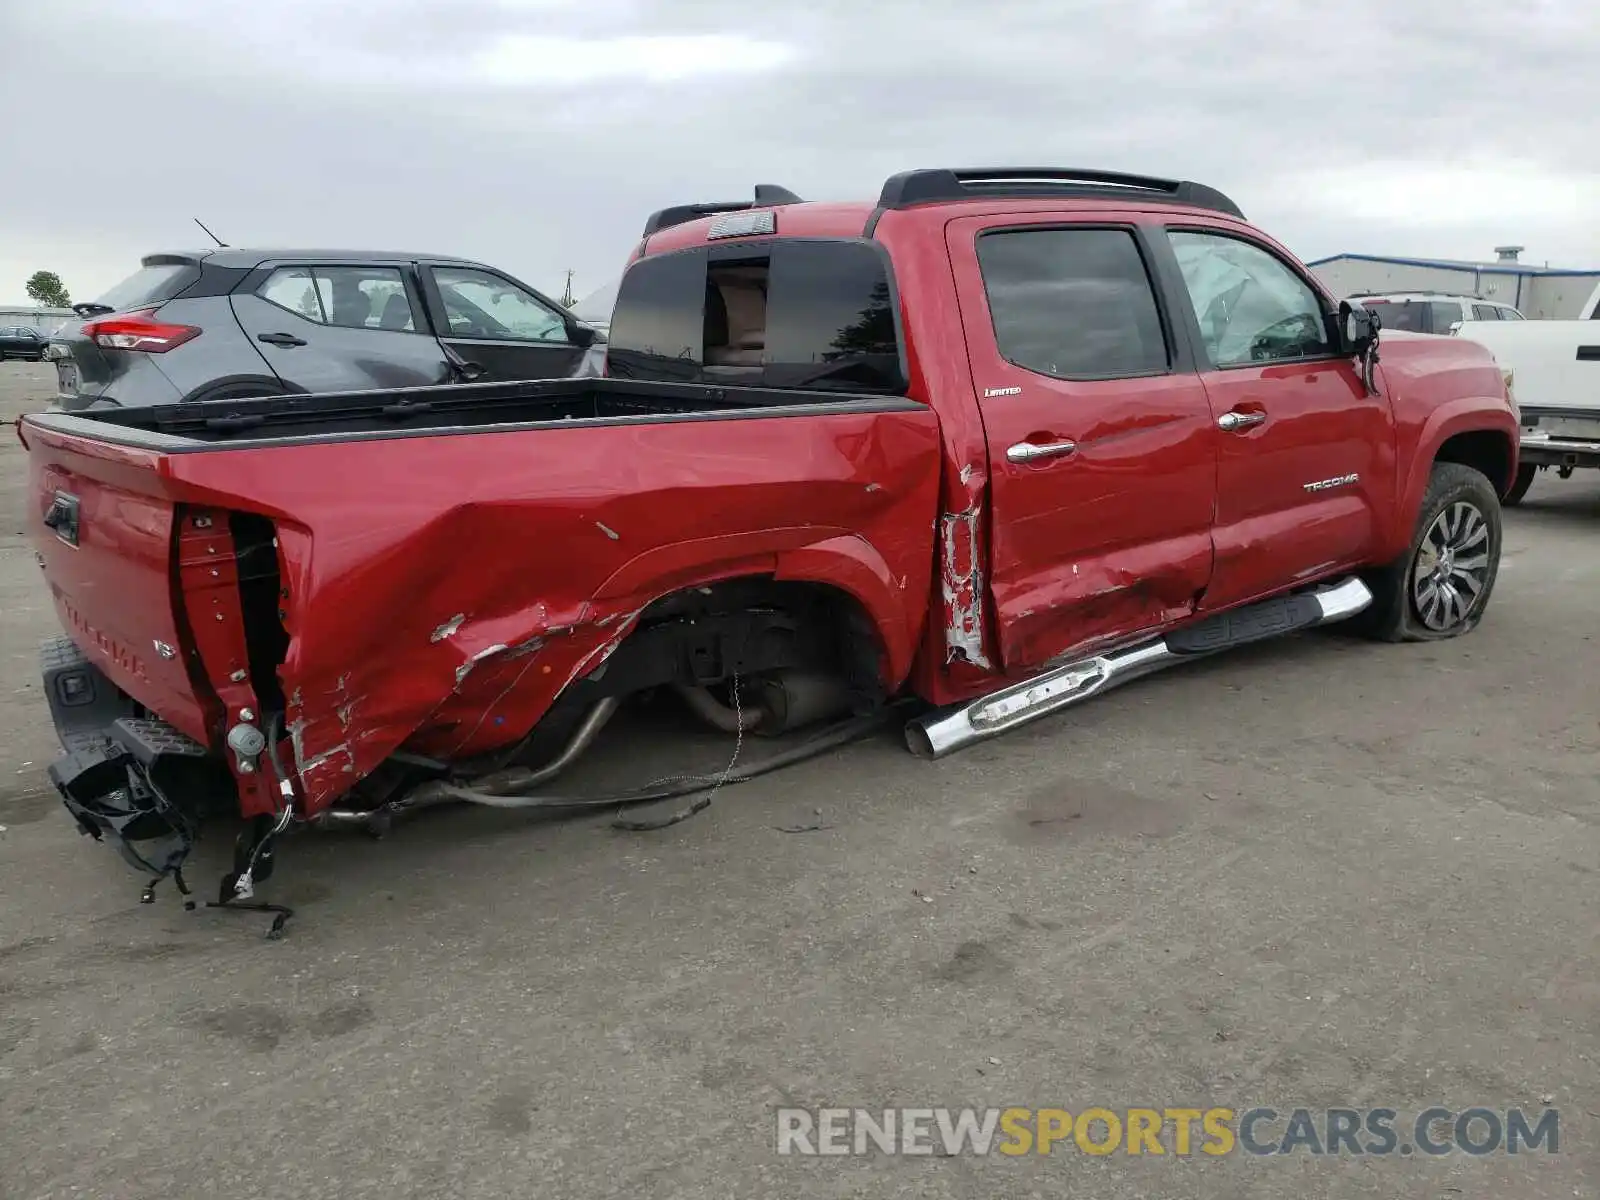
{"x": 1252, "y": 308}
{"x": 478, "y": 304}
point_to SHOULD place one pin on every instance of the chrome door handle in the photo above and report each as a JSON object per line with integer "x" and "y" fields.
{"x": 1228, "y": 422}
{"x": 1026, "y": 452}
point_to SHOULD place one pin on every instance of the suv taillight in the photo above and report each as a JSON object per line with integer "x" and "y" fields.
{"x": 138, "y": 331}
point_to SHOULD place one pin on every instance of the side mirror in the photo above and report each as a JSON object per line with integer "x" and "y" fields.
{"x": 582, "y": 335}
{"x": 1358, "y": 327}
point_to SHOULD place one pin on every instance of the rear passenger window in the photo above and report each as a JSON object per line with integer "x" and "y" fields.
{"x": 293, "y": 289}
{"x": 351, "y": 297}
{"x": 364, "y": 298}
{"x": 813, "y": 315}
{"x": 1072, "y": 303}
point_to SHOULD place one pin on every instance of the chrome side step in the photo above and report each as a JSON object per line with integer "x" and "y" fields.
{"x": 941, "y": 733}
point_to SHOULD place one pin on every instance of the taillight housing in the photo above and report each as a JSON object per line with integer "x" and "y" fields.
{"x": 138, "y": 331}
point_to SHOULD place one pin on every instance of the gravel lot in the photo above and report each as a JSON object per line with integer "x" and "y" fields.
{"x": 1317, "y": 873}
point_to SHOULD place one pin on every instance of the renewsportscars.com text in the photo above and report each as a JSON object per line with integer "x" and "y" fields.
{"x": 1181, "y": 1132}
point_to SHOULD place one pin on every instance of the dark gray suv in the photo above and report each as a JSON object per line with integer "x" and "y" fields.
{"x": 220, "y": 324}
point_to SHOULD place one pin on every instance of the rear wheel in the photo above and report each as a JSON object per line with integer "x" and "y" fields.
{"x": 1441, "y": 586}
{"x": 1520, "y": 486}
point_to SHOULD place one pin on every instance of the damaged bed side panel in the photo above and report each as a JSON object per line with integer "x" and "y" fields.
{"x": 440, "y": 592}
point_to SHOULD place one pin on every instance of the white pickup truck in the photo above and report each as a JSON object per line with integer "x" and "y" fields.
{"x": 1554, "y": 371}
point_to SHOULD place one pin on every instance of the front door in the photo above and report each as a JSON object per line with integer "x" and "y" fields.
{"x": 1306, "y": 458}
{"x": 1102, "y": 455}
{"x": 502, "y": 327}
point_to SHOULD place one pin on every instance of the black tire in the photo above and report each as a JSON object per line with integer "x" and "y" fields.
{"x": 1520, "y": 486}
{"x": 1426, "y": 595}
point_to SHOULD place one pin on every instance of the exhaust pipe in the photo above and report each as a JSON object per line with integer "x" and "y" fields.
{"x": 941, "y": 733}
{"x": 715, "y": 713}
{"x": 437, "y": 791}
{"x": 782, "y": 702}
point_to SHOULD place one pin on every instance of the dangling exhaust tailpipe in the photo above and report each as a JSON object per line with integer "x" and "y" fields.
{"x": 941, "y": 733}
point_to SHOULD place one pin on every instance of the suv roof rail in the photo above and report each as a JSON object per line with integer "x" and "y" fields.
{"x": 978, "y": 183}
{"x": 767, "y": 195}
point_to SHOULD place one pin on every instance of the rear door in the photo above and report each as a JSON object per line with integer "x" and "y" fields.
{"x": 1102, "y": 455}
{"x": 1306, "y": 459}
{"x": 505, "y": 328}
{"x": 328, "y": 327}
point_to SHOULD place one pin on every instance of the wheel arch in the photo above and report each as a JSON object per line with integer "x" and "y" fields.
{"x": 1488, "y": 451}
{"x": 839, "y": 560}
{"x": 1472, "y": 432}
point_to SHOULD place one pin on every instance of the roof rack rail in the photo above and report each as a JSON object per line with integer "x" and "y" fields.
{"x": 977, "y": 183}
{"x": 767, "y": 195}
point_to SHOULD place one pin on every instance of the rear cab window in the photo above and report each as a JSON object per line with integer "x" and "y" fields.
{"x": 805, "y": 314}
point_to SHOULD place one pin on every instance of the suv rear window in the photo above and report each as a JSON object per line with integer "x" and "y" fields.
{"x": 152, "y": 283}
{"x": 1401, "y": 314}
{"x": 799, "y": 314}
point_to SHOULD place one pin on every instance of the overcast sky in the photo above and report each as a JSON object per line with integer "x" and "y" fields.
{"x": 538, "y": 134}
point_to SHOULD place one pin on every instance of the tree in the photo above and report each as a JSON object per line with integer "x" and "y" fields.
{"x": 44, "y": 287}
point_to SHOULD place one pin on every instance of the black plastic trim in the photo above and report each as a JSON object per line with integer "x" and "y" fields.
{"x": 144, "y": 428}
{"x": 1589, "y": 353}
{"x": 945, "y": 184}
{"x": 1550, "y": 454}
{"x": 1253, "y": 623}
{"x": 212, "y": 280}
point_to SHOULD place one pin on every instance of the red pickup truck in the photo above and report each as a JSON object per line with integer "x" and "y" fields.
{"x": 995, "y": 442}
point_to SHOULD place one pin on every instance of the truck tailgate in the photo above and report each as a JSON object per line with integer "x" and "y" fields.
{"x": 104, "y": 532}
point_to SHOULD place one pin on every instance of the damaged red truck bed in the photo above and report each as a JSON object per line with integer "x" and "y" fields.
{"x": 996, "y": 442}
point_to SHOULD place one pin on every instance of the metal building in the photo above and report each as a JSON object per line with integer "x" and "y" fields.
{"x": 1539, "y": 293}
{"x": 45, "y": 320}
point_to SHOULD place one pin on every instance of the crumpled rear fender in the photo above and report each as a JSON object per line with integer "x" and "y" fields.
{"x": 439, "y": 594}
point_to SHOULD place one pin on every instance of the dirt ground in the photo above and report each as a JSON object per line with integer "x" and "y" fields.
{"x": 1319, "y": 873}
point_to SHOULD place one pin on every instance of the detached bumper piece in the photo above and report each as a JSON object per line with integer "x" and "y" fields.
{"x": 143, "y": 786}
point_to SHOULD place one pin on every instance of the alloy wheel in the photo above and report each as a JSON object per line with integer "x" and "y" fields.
{"x": 1452, "y": 566}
